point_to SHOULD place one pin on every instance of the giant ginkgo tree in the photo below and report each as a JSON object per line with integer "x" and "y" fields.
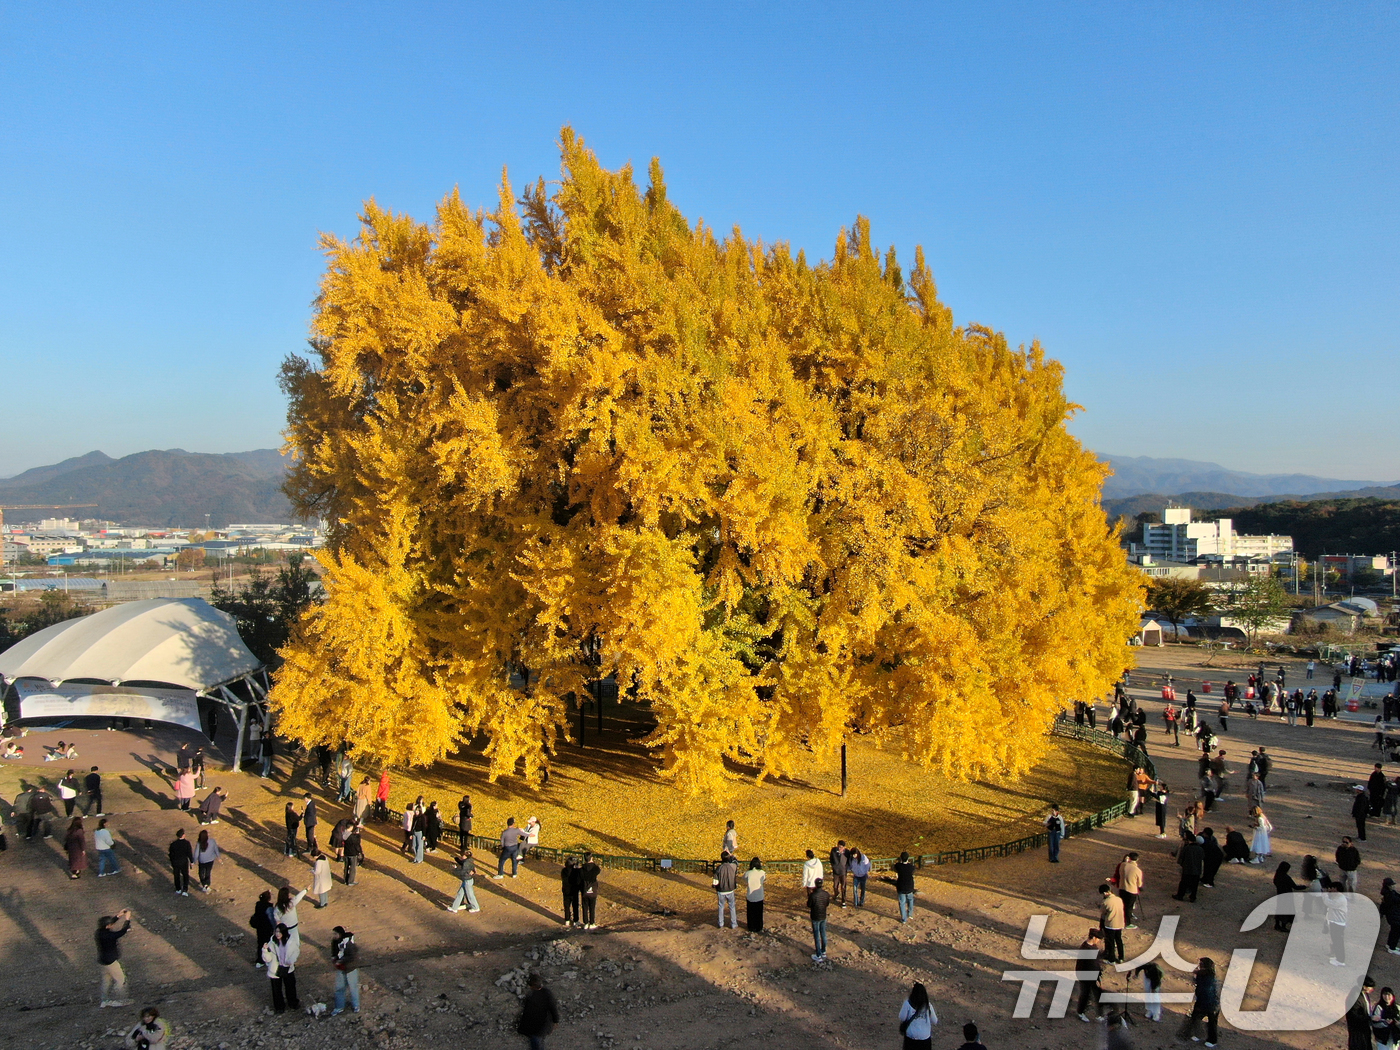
{"x": 782, "y": 502}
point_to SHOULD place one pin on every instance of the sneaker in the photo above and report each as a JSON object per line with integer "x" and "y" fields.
{"x": 1336, "y": 962}
{"x": 1393, "y": 951}
{"x": 337, "y": 1013}
{"x": 1195, "y": 1039}
{"x": 121, "y": 1002}
{"x": 1210, "y": 1044}
{"x": 1084, "y": 1018}
{"x": 257, "y": 966}
{"x": 498, "y": 876}
{"x": 454, "y": 911}
{"x": 816, "y": 957}
{"x": 472, "y": 911}
{"x": 1130, "y": 926}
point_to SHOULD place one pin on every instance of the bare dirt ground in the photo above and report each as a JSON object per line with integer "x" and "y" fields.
{"x": 657, "y": 973}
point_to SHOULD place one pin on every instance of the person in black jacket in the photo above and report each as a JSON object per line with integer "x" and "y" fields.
{"x": 432, "y": 827}
{"x": 345, "y": 957}
{"x": 354, "y": 853}
{"x": 588, "y": 880}
{"x": 838, "y": 872}
{"x": 1212, "y": 856}
{"x": 263, "y": 924}
{"x": 92, "y": 784}
{"x": 464, "y": 820}
{"x": 539, "y": 1014}
{"x": 818, "y": 900}
{"x": 1360, "y": 810}
{"x": 293, "y": 821}
{"x": 308, "y": 821}
{"x": 1348, "y": 859}
{"x": 110, "y": 930}
{"x": 571, "y": 885}
{"x": 904, "y": 886}
{"x": 1283, "y": 883}
{"x": 1390, "y": 911}
{"x": 1206, "y": 1005}
{"x": 41, "y": 814}
{"x": 1191, "y": 858}
{"x": 1359, "y": 1030}
{"x": 181, "y": 855}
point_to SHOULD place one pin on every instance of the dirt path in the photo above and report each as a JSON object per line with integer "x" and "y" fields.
{"x": 656, "y": 973}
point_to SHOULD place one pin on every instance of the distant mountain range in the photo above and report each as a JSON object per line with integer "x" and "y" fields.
{"x": 156, "y": 488}
{"x": 175, "y": 487}
{"x": 1138, "y": 475}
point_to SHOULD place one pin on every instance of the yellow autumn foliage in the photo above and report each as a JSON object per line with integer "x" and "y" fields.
{"x": 781, "y": 502}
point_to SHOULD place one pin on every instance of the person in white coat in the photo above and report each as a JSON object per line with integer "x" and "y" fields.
{"x": 811, "y": 871}
{"x": 280, "y": 955}
{"x": 321, "y": 879}
{"x": 285, "y": 913}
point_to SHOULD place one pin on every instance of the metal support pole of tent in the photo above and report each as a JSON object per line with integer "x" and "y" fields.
{"x": 242, "y": 727}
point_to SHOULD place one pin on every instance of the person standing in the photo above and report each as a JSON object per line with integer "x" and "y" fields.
{"x": 184, "y": 789}
{"x": 588, "y": 875}
{"x": 1337, "y": 923}
{"x": 354, "y": 852}
{"x": 1160, "y": 798}
{"x": 321, "y": 879}
{"x": 1055, "y": 829}
{"x": 510, "y": 849}
{"x": 1375, "y": 790}
{"x": 754, "y": 880}
{"x": 68, "y": 791}
{"x": 1265, "y": 764}
{"x": 917, "y": 1018}
{"x": 1385, "y": 1020}
{"x": 1129, "y": 888}
{"x": 1348, "y": 859}
{"x": 345, "y": 770}
{"x": 266, "y": 753}
{"x": 859, "y": 871}
{"x": 838, "y": 861}
{"x": 364, "y": 798}
{"x": 1212, "y": 856}
{"x": 904, "y": 886}
{"x": 464, "y": 820}
{"x": 381, "y": 796}
{"x": 1390, "y": 911}
{"x": 1111, "y": 924}
{"x": 1090, "y": 963}
{"x": 292, "y": 819}
{"x": 1206, "y": 1004}
{"x": 432, "y": 827}
{"x": 263, "y": 924}
{"x": 106, "y": 851}
{"x": 1360, "y": 810}
{"x": 466, "y": 892}
{"x": 75, "y": 845}
{"x": 1358, "y": 1017}
{"x": 538, "y": 1014}
{"x": 92, "y": 784}
{"x": 197, "y": 767}
{"x": 1254, "y": 790}
{"x": 410, "y": 812}
{"x": 1151, "y": 990}
{"x": 110, "y": 930}
{"x": 280, "y": 956}
{"x": 818, "y": 900}
{"x": 724, "y": 882}
{"x": 811, "y": 871}
{"x": 338, "y": 833}
{"x": 308, "y": 823}
{"x": 181, "y": 857}
{"x": 730, "y": 843}
{"x": 1312, "y": 666}
{"x": 1261, "y": 846}
{"x": 1190, "y": 858}
{"x": 570, "y": 887}
{"x": 345, "y": 957}
{"x": 285, "y": 913}
{"x": 206, "y": 852}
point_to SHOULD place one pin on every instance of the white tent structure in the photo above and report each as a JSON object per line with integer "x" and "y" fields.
{"x": 163, "y": 643}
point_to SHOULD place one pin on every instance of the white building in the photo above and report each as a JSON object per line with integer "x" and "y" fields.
{"x": 1180, "y": 539}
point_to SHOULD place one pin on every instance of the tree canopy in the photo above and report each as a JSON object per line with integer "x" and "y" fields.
{"x": 782, "y": 502}
{"x": 1178, "y": 599}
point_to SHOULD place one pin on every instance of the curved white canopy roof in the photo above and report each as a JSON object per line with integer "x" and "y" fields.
{"x": 178, "y": 641}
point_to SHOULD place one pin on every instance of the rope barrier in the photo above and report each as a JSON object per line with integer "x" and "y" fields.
{"x": 1062, "y": 727}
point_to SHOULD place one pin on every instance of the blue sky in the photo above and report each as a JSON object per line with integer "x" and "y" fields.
{"x": 1193, "y": 206}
